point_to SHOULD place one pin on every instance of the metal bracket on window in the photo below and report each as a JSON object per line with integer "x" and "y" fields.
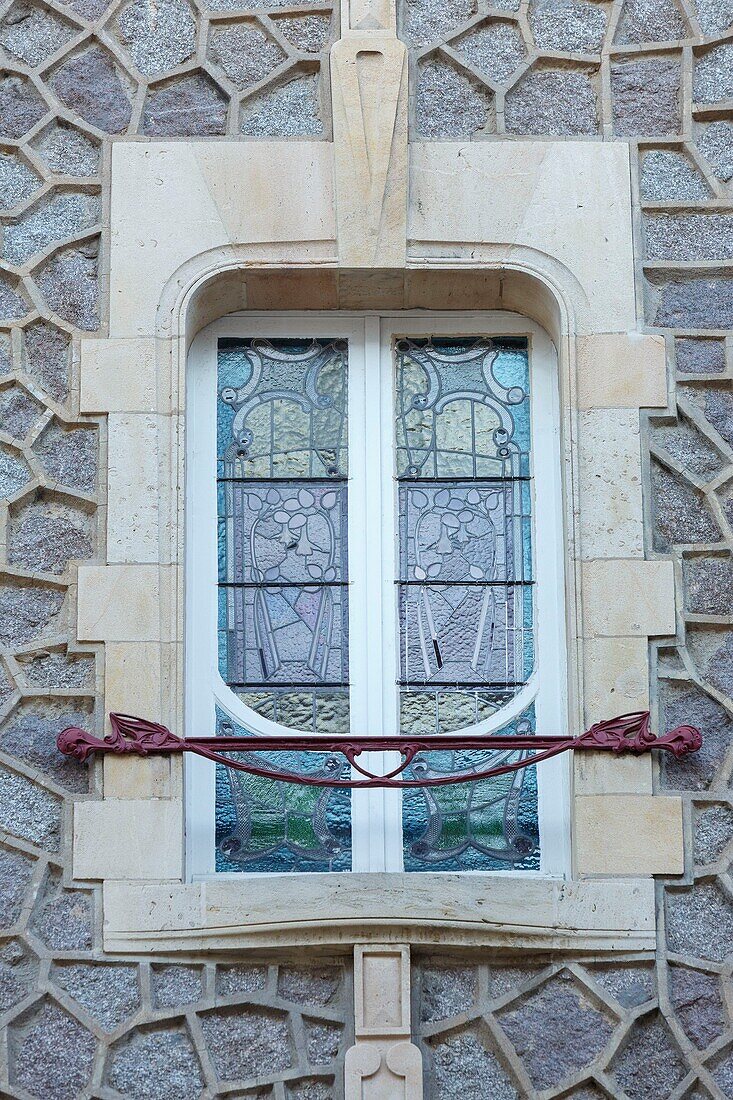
{"x": 629, "y": 733}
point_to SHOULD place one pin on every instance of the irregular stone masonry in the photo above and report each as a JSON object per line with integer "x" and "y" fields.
{"x": 656, "y": 73}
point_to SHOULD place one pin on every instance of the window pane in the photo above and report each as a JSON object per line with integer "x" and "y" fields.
{"x": 465, "y": 584}
{"x": 283, "y": 598}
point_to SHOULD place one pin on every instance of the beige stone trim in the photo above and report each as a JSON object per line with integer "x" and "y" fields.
{"x": 498, "y": 911}
{"x": 628, "y": 598}
{"x": 609, "y": 460}
{"x": 622, "y": 370}
{"x": 120, "y": 603}
{"x": 628, "y": 835}
{"x": 369, "y": 94}
{"x": 383, "y": 1064}
{"x": 128, "y": 839}
{"x": 133, "y": 487}
{"x": 118, "y": 376}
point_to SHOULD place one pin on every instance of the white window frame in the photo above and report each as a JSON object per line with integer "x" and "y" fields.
{"x": 373, "y": 626}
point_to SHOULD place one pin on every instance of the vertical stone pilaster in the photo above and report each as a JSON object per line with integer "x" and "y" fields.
{"x": 383, "y": 1064}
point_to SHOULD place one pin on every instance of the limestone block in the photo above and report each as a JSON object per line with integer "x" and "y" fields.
{"x": 631, "y": 834}
{"x": 369, "y": 94}
{"x": 128, "y": 839}
{"x": 186, "y": 198}
{"x": 381, "y": 989}
{"x": 118, "y": 376}
{"x": 621, "y": 370}
{"x": 611, "y": 511}
{"x": 134, "y": 481}
{"x": 628, "y": 598}
{"x": 563, "y": 207}
{"x": 616, "y": 677}
{"x": 606, "y": 773}
{"x": 132, "y": 679}
{"x": 119, "y": 603}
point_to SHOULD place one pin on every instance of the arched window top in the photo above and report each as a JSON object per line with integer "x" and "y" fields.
{"x": 378, "y": 509}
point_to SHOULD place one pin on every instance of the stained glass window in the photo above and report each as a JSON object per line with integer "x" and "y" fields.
{"x": 465, "y": 588}
{"x": 283, "y": 575}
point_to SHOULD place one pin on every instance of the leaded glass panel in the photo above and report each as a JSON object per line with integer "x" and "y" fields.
{"x": 283, "y": 597}
{"x": 465, "y": 587}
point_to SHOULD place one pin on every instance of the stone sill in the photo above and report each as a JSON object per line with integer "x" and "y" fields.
{"x": 435, "y": 910}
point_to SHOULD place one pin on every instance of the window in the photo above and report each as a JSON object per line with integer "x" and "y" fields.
{"x": 374, "y": 546}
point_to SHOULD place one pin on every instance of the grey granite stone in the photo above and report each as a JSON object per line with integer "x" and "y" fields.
{"x": 650, "y": 21}
{"x": 109, "y": 993}
{"x": 16, "y": 869}
{"x": 700, "y": 356}
{"x": 241, "y": 1040}
{"x": 27, "y": 611}
{"x": 310, "y": 1088}
{"x": 685, "y": 704}
{"x": 157, "y": 37}
{"x": 698, "y": 1004}
{"x": 28, "y": 811}
{"x": 45, "y": 534}
{"x": 713, "y": 74}
{"x": 18, "y": 973}
{"x": 13, "y": 304}
{"x": 32, "y": 33}
{"x": 319, "y": 985}
{"x": 46, "y": 357}
{"x": 155, "y": 1064}
{"x": 693, "y": 451}
{"x": 464, "y": 1062}
{"x": 712, "y": 831}
{"x": 174, "y": 986}
{"x": 721, "y": 1068}
{"x": 714, "y": 15}
{"x": 90, "y": 85}
{"x": 14, "y": 471}
{"x": 448, "y": 104}
{"x": 240, "y": 979}
{"x": 681, "y": 514}
{"x": 649, "y": 1064}
{"x": 323, "y": 1040}
{"x": 63, "y": 919}
{"x": 89, "y": 9}
{"x": 7, "y": 686}
{"x": 55, "y": 668}
{"x": 501, "y": 980}
{"x": 708, "y": 587}
{"x": 573, "y": 26}
{"x": 424, "y": 21}
{"x": 17, "y": 181}
{"x": 191, "y": 105}
{"x": 646, "y": 94}
{"x": 291, "y": 109}
{"x": 689, "y": 236}
{"x": 69, "y": 456}
{"x": 668, "y": 175}
{"x": 553, "y": 102}
{"x": 309, "y": 33}
{"x": 700, "y": 921}
{"x": 691, "y": 301}
{"x": 715, "y": 403}
{"x": 57, "y": 216}
{"x": 712, "y": 651}
{"x": 68, "y": 282}
{"x": 67, "y": 151}
{"x": 245, "y": 53}
{"x": 495, "y": 47}
{"x": 715, "y": 142}
{"x": 21, "y": 107}
{"x": 632, "y": 984}
{"x": 30, "y": 733}
{"x": 556, "y": 1030}
{"x": 19, "y": 411}
{"x": 51, "y": 1053}
{"x": 447, "y": 991}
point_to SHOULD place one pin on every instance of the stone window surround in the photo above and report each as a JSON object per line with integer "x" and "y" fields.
{"x": 215, "y": 233}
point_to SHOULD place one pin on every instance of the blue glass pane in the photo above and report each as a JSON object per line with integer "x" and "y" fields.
{"x": 266, "y": 825}
{"x": 481, "y": 825}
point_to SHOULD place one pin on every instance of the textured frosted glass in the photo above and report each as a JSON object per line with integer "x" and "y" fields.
{"x": 266, "y": 825}
{"x": 481, "y": 825}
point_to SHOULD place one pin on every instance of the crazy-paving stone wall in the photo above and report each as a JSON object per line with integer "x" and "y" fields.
{"x": 658, "y": 74}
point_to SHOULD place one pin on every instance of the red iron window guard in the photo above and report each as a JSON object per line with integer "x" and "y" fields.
{"x": 629, "y": 733}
